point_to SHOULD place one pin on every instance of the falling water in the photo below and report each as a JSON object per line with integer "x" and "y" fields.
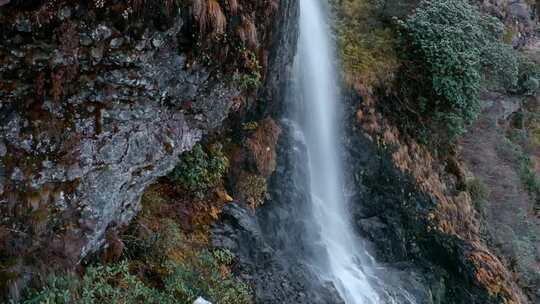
{"x": 348, "y": 265}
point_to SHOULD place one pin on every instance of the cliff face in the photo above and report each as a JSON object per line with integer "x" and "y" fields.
{"x": 97, "y": 101}
{"x": 420, "y": 205}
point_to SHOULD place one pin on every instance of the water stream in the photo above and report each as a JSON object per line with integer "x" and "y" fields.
{"x": 352, "y": 270}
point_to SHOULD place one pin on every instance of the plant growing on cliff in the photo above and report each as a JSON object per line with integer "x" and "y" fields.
{"x": 478, "y": 191}
{"x": 529, "y": 76}
{"x": 366, "y": 46}
{"x": 171, "y": 271}
{"x": 453, "y": 46}
{"x": 200, "y": 170}
{"x": 100, "y": 284}
{"x": 252, "y": 79}
{"x": 253, "y": 189}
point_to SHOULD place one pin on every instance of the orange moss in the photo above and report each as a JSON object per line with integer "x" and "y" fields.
{"x": 262, "y": 146}
{"x": 492, "y": 275}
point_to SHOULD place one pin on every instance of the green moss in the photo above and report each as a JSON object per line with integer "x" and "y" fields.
{"x": 253, "y": 189}
{"x": 250, "y": 126}
{"x": 508, "y": 35}
{"x": 366, "y": 44}
{"x": 478, "y": 191}
{"x": 200, "y": 169}
{"x": 252, "y": 79}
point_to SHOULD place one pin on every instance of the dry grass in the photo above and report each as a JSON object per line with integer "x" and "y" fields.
{"x": 262, "y": 145}
{"x": 233, "y": 6}
{"x": 247, "y": 32}
{"x": 216, "y": 17}
{"x": 209, "y": 16}
{"x": 366, "y": 46}
{"x": 454, "y": 214}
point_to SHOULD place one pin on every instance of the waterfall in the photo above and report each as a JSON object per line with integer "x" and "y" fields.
{"x": 347, "y": 264}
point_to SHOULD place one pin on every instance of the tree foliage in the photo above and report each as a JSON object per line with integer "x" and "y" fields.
{"x": 458, "y": 50}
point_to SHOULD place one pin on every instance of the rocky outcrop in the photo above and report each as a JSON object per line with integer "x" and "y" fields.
{"x": 274, "y": 246}
{"x": 519, "y": 16}
{"x": 416, "y": 212}
{"x": 501, "y": 151}
{"x": 270, "y": 241}
{"x": 96, "y": 102}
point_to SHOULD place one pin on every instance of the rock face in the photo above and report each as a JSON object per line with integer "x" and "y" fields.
{"x": 273, "y": 244}
{"x": 270, "y": 242}
{"x": 93, "y": 108}
{"x": 495, "y": 150}
{"x": 418, "y": 219}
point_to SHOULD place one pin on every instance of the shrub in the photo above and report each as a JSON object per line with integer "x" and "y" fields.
{"x": 479, "y": 192}
{"x": 365, "y": 46}
{"x": 453, "y": 46}
{"x": 169, "y": 270}
{"x": 200, "y": 170}
{"x": 252, "y": 78}
{"x": 529, "y": 76}
{"x": 253, "y": 189}
{"x": 208, "y": 276}
{"x": 100, "y": 284}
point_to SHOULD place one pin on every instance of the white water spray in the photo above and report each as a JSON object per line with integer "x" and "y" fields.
{"x": 349, "y": 266}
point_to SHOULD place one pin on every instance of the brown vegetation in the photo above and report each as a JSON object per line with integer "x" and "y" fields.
{"x": 454, "y": 214}
{"x": 262, "y": 146}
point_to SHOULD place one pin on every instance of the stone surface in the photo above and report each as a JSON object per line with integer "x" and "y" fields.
{"x": 88, "y": 127}
{"x": 272, "y": 244}
{"x": 510, "y": 212}
{"x": 395, "y": 210}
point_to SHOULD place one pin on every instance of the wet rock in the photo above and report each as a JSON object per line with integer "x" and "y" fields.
{"x": 102, "y": 129}
{"x": 85, "y": 39}
{"x": 2, "y": 178}
{"x": 97, "y": 53}
{"x": 140, "y": 45}
{"x": 157, "y": 41}
{"x": 278, "y": 262}
{"x": 3, "y": 148}
{"x": 116, "y": 43}
{"x": 23, "y": 25}
{"x": 17, "y": 175}
{"x": 102, "y": 32}
{"x": 64, "y": 13}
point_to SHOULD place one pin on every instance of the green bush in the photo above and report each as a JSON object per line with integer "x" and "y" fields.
{"x": 253, "y": 189}
{"x": 100, "y": 284}
{"x": 169, "y": 271}
{"x": 366, "y": 45}
{"x": 200, "y": 170}
{"x": 115, "y": 284}
{"x": 455, "y": 48}
{"x": 204, "y": 277}
{"x": 478, "y": 191}
{"x": 529, "y": 76}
